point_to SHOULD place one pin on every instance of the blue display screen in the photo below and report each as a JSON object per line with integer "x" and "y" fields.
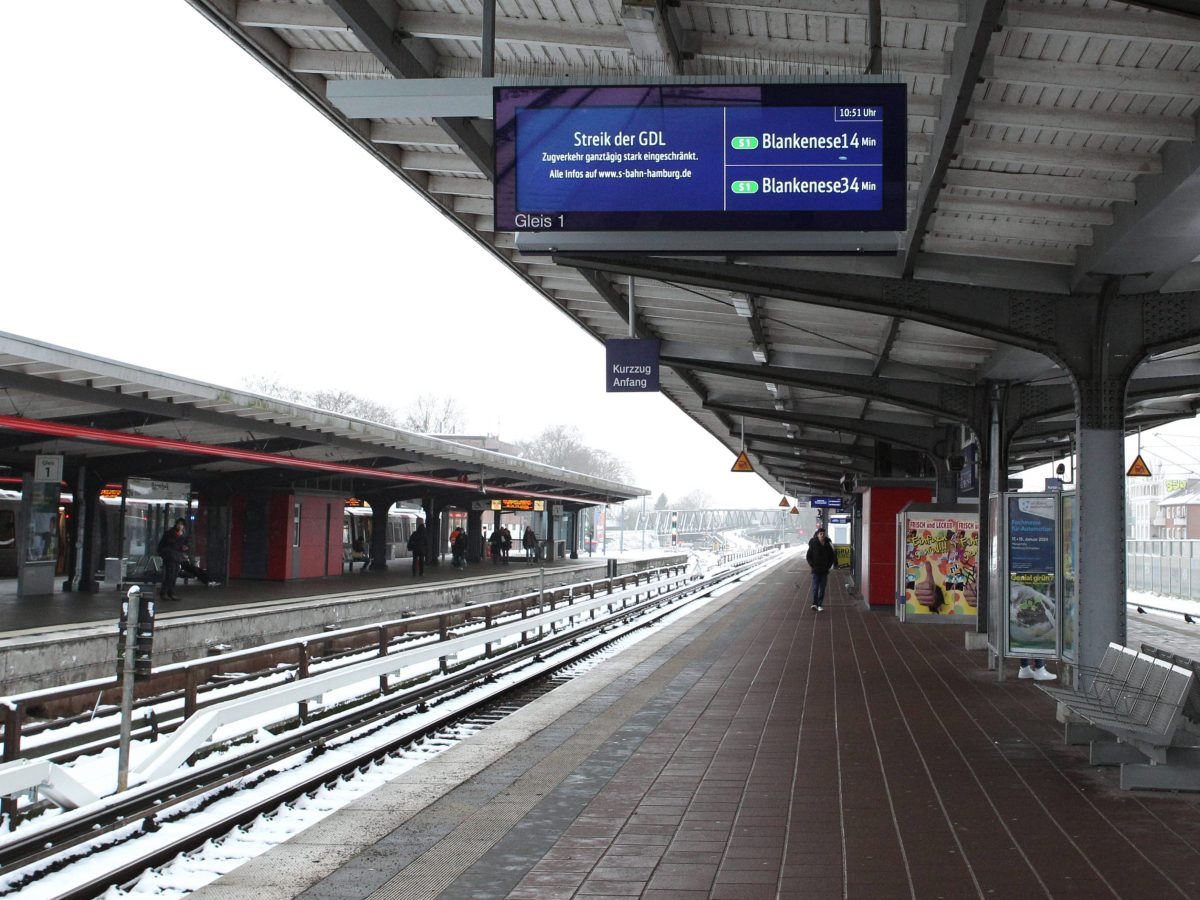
{"x": 804, "y": 157}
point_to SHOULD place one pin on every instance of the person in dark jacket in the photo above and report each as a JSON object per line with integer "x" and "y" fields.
{"x": 821, "y": 558}
{"x": 497, "y": 543}
{"x": 459, "y": 549}
{"x": 418, "y": 544}
{"x": 173, "y": 549}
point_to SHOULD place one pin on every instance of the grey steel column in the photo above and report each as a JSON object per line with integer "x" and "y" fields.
{"x": 488, "y": 43}
{"x": 380, "y": 507}
{"x": 1100, "y": 474}
{"x": 474, "y": 535}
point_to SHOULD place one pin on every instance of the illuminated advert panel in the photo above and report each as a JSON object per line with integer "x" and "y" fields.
{"x": 781, "y": 157}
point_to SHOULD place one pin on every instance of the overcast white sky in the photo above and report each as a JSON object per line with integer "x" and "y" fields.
{"x": 169, "y": 203}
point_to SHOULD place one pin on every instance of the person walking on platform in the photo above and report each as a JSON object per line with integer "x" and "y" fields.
{"x": 505, "y": 543}
{"x": 496, "y": 541}
{"x": 418, "y": 544}
{"x": 821, "y": 558}
{"x": 172, "y": 548}
{"x": 529, "y": 542}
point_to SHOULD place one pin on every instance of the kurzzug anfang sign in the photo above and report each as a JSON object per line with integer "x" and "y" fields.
{"x": 631, "y": 365}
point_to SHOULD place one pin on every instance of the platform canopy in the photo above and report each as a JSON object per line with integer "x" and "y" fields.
{"x": 1052, "y": 154}
{"x": 123, "y": 420}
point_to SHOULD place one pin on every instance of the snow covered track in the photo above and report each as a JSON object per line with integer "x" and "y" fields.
{"x": 362, "y": 731}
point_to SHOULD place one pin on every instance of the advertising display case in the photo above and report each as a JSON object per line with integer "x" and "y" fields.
{"x": 1032, "y": 576}
{"x": 939, "y": 579}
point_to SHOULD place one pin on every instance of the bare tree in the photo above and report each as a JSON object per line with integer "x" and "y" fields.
{"x": 348, "y": 404}
{"x": 340, "y": 402}
{"x": 697, "y": 499}
{"x": 434, "y": 414}
{"x": 271, "y": 386}
{"x": 564, "y": 446}
{"x": 662, "y": 502}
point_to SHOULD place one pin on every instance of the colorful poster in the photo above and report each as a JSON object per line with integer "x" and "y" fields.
{"x": 41, "y": 533}
{"x": 1032, "y": 568}
{"x": 941, "y": 553}
{"x": 1070, "y": 598}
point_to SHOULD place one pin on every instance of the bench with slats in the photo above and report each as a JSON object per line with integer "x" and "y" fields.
{"x": 1147, "y": 703}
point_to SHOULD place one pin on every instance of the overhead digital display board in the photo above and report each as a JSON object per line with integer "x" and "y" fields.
{"x": 825, "y": 502}
{"x": 820, "y": 157}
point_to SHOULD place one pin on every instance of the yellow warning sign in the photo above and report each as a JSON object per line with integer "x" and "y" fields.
{"x": 1139, "y": 469}
{"x": 795, "y": 511}
{"x": 783, "y": 501}
{"x": 742, "y": 463}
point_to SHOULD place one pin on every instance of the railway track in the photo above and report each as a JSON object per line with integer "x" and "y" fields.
{"x": 364, "y": 733}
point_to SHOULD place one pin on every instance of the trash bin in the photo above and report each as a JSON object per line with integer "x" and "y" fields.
{"x": 114, "y": 569}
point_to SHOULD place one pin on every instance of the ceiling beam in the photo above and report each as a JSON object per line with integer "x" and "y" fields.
{"x": 1021, "y": 15}
{"x": 1130, "y": 79}
{"x": 832, "y": 447}
{"x": 654, "y": 33}
{"x": 942, "y": 401}
{"x": 1159, "y": 233}
{"x": 942, "y": 12}
{"x": 915, "y": 437}
{"x": 385, "y": 42}
{"x": 1085, "y": 121}
{"x": 966, "y": 63}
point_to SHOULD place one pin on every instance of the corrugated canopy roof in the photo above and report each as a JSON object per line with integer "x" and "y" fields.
{"x": 1050, "y": 144}
{"x": 128, "y": 420}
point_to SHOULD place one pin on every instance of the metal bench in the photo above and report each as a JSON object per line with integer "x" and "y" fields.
{"x": 1140, "y": 703}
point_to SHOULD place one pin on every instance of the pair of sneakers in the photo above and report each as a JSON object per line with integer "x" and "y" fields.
{"x": 1041, "y": 673}
{"x": 818, "y": 608}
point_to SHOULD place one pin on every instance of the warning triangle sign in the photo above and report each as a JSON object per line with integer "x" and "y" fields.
{"x": 795, "y": 511}
{"x": 783, "y": 501}
{"x": 742, "y": 463}
{"x": 1139, "y": 469}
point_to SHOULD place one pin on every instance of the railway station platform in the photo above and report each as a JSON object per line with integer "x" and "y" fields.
{"x": 68, "y": 608}
{"x": 756, "y": 748}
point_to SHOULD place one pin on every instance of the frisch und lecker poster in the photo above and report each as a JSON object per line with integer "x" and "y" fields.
{"x": 941, "y": 564}
{"x": 1032, "y": 565}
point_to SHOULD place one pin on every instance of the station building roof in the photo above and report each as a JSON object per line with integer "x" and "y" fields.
{"x": 1051, "y": 146}
{"x": 126, "y": 420}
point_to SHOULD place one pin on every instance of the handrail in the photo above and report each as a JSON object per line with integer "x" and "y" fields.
{"x": 191, "y": 678}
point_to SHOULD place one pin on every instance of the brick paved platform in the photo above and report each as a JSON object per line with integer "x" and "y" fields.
{"x": 757, "y": 749}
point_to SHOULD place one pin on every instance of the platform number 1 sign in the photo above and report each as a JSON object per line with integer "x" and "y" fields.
{"x": 48, "y": 468}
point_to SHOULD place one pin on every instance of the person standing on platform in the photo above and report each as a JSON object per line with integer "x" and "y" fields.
{"x": 529, "y": 542}
{"x": 821, "y": 558}
{"x": 172, "y": 548}
{"x": 418, "y": 544}
{"x": 1035, "y": 669}
{"x": 505, "y": 543}
{"x": 458, "y": 551}
{"x": 496, "y": 541}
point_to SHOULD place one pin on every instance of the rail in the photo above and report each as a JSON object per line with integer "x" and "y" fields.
{"x": 177, "y": 692}
{"x": 85, "y": 835}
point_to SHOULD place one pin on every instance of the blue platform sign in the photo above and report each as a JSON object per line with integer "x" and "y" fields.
{"x": 701, "y": 157}
{"x": 825, "y": 503}
{"x": 631, "y": 366}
